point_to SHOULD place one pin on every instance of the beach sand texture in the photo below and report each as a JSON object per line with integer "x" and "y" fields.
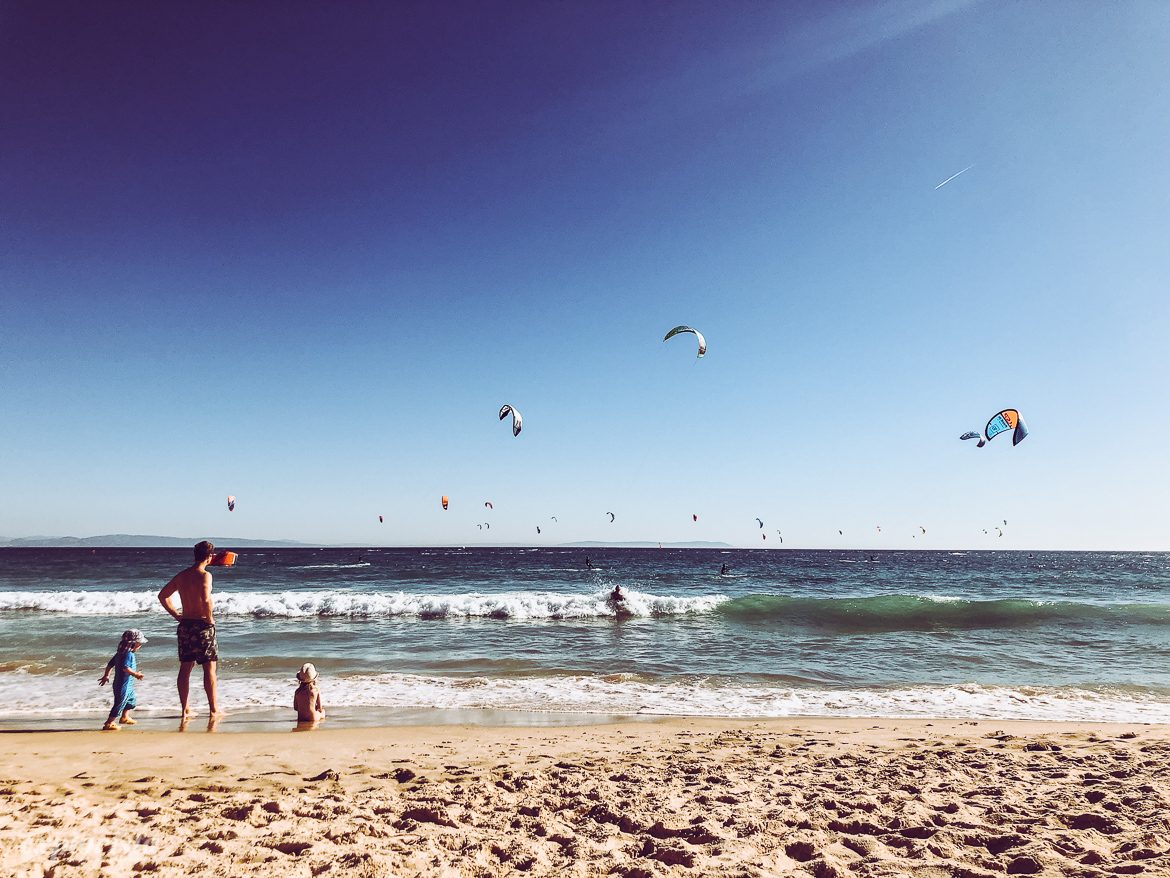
{"x": 681, "y": 797}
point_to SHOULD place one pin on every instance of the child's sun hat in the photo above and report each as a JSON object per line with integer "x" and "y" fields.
{"x": 132, "y": 635}
{"x": 307, "y": 673}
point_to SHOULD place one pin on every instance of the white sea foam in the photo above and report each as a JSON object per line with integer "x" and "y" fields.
{"x": 355, "y": 604}
{"x": 350, "y": 566}
{"x": 24, "y": 696}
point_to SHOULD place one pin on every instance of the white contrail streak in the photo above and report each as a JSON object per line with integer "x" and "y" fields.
{"x": 952, "y": 176}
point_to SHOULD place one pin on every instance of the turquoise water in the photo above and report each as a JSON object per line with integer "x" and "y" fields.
{"x": 972, "y": 634}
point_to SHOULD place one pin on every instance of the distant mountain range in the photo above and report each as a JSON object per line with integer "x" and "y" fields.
{"x": 147, "y": 541}
{"x": 137, "y": 541}
{"x": 696, "y": 544}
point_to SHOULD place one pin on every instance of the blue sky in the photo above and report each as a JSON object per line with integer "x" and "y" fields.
{"x": 302, "y": 254}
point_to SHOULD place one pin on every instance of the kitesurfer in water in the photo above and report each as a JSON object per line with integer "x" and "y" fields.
{"x": 588, "y": 563}
{"x": 724, "y": 570}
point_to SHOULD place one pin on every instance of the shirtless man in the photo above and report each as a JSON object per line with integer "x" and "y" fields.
{"x": 196, "y": 626}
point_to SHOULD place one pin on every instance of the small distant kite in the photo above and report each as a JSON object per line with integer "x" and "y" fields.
{"x": 444, "y": 501}
{"x": 554, "y": 518}
{"x": 1008, "y": 419}
{"x": 841, "y": 533}
{"x": 538, "y": 528}
{"x": 488, "y": 504}
{"x": 698, "y": 335}
{"x": 763, "y": 536}
{"x": 779, "y": 535}
{"x": 488, "y": 525}
{"x": 517, "y": 420}
{"x": 611, "y": 517}
{"x": 694, "y": 517}
{"x": 380, "y": 521}
{"x": 921, "y": 528}
{"x": 480, "y": 526}
{"x": 998, "y": 532}
{"x": 760, "y": 523}
{"x": 231, "y": 503}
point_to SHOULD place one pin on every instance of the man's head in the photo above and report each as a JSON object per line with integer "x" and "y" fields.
{"x": 203, "y": 551}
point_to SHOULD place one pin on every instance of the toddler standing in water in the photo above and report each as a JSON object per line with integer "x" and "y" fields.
{"x": 125, "y": 667}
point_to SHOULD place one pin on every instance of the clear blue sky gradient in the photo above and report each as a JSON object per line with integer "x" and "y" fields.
{"x": 301, "y": 253}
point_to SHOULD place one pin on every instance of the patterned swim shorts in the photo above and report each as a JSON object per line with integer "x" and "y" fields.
{"x": 197, "y": 641}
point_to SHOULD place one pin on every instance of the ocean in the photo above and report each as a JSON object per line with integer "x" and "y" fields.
{"x": 456, "y": 634}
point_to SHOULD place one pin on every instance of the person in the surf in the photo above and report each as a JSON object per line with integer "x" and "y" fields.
{"x": 617, "y": 599}
{"x": 588, "y": 563}
{"x": 724, "y": 570}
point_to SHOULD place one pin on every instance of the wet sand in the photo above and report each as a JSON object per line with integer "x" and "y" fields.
{"x": 816, "y": 797}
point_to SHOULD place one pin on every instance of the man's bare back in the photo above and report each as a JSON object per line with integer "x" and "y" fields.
{"x": 193, "y": 586}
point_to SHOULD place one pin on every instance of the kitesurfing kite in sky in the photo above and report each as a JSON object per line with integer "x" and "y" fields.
{"x": 760, "y": 523}
{"x": 698, "y": 335}
{"x": 611, "y": 517}
{"x": 380, "y": 519}
{"x": 231, "y": 503}
{"x": 488, "y": 504}
{"x": 517, "y": 420}
{"x": 444, "y": 501}
{"x": 1001, "y": 422}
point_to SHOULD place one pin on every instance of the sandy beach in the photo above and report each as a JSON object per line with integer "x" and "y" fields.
{"x": 818, "y": 797}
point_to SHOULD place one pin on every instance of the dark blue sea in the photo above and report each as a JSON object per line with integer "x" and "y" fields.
{"x": 1045, "y": 635}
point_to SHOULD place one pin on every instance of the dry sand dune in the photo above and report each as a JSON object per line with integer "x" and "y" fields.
{"x": 680, "y": 797}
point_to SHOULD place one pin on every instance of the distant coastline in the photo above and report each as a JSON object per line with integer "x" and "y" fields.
{"x": 149, "y": 541}
{"x": 138, "y": 541}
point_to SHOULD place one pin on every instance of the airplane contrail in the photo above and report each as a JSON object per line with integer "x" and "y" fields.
{"x": 952, "y": 176}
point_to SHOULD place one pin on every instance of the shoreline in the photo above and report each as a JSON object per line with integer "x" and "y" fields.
{"x": 808, "y": 796}
{"x": 276, "y": 721}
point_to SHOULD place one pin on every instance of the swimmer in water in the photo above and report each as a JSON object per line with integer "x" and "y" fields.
{"x": 723, "y": 571}
{"x": 616, "y": 596}
{"x": 588, "y": 563}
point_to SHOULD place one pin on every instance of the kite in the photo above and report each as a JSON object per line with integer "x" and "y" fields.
{"x": 480, "y": 526}
{"x": 761, "y": 524}
{"x": 488, "y": 525}
{"x": 763, "y": 536}
{"x": 380, "y": 519}
{"x": 998, "y": 532}
{"x": 921, "y": 528}
{"x": 554, "y": 518}
{"x": 779, "y": 535}
{"x": 1008, "y": 419}
{"x": 444, "y": 501}
{"x": 698, "y": 335}
{"x": 517, "y": 420}
{"x": 538, "y": 528}
{"x": 841, "y": 533}
{"x": 611, "y": 517}
{"x": 231, "y": 503}
{"x": 694, "y": 517}
{"x": 488, "y": 505}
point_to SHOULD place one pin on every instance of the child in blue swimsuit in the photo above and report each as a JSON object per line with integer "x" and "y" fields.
{"x": 124, "y": 664}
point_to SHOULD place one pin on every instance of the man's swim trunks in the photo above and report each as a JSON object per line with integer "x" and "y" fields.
{"x": 197, "y": 641}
